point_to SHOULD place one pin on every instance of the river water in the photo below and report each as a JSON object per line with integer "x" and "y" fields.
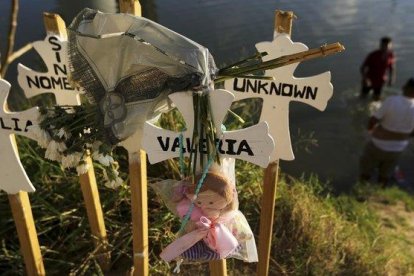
{"x": 230, "y": 29}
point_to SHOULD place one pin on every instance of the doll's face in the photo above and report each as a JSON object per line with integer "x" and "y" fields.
{"x": 211, "y": 203}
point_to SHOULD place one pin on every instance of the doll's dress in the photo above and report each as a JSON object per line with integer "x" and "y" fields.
{"x": 199, "y": 251}
{"x": 234, "y": 220}
{"x": 237, "y": 225}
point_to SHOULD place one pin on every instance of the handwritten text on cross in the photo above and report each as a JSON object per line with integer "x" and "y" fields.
{"x": 278, "y": 93}
{"x": 53, "y": 51}
{"x": 12, "y": 173}
{"x": 252, "y": 144}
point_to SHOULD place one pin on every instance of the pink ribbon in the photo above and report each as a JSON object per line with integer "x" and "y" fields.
{"x": 216, "y": 235}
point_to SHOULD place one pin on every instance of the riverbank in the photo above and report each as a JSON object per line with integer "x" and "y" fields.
{"x": 368, "y": 231}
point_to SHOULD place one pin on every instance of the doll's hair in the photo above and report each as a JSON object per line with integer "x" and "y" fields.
{"x": 217, "y": 184}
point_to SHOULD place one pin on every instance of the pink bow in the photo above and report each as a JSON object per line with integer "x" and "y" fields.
{"x": 216, "y": 235}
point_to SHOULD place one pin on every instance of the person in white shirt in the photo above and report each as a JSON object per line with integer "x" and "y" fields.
{"x": 390, "y": 126}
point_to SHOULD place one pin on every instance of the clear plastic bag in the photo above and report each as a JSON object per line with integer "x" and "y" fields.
{"x": 216, "y": 229}
{"x": 128, "y": 66}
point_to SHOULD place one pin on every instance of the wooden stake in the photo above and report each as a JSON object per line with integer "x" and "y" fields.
{"x": 26, "y": 230}
{"x": 271, "y": 174}
{"x": 130, "y": 6}
{"x": 139, "y": 205}
{"x": 138, "y": 182}
{"x": 95, "y": 216}
{"x": 218, "y": 267}
{"x": 283, "y": 22}
{"x": 55, "y": 25}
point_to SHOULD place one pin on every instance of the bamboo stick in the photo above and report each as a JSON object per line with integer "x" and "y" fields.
{"x": 324, "y": 50}
{"x": 55, "y": 25}
{"x": 271, "y": 174}
{"x": 138, "y": 183}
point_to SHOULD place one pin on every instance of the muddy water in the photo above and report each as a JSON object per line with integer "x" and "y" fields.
{"x": 230, "y": 29}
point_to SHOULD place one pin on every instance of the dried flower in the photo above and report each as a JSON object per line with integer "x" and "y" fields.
{"x": 71, "y": 160}
{"x": 42, "y": 137}
{"x": 105, "y": 160}
{"x": 54, "y": 150}
{"x": 63, "y": 134}
{"x": 113, "y": 184}
{"x": 82, "y": 168}
{"x": 53, "y": 155}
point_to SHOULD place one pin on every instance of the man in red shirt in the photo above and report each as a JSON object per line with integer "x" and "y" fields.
{"x": 375, "y": 67}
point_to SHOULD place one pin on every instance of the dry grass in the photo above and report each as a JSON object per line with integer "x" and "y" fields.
{"x": 315, "y": 234}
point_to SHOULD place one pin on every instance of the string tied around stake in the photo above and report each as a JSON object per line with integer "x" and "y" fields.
{"x": 200, "y": 181}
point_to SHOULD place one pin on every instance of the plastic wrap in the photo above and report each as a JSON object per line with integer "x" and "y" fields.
{"x": 216, "y": 229}
{"x": 128, "y": 65}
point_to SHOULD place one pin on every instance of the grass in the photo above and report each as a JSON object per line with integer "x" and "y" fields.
{"x": 315, "y": 233}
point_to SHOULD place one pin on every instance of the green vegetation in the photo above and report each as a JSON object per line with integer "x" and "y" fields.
{"x": 369, "y": 232}
{"x": 318, "y": 234}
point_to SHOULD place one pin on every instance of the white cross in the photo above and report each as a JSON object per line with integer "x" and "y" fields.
{"x": 278, "y": 93}
{"x": 53, "y": 51}
{"x": 251, "y": 144}
{"x": 12, "y": 174}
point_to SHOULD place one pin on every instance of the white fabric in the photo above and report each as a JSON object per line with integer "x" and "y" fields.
{"x": 395, "y": 114}
{"x": 390, "y": 145}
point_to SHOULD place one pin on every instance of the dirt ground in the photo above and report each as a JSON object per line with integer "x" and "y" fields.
{"x": 396, "y": 218}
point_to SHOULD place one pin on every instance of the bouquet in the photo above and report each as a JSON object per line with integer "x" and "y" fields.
{"x": 127, "y": 67}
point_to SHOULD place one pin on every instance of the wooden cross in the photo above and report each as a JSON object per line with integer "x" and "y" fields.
{"x": 251, "y": 144}
{"x": 14, "y": 177}
{"x": 15, "y": 181}
{"x": 137, "y": 159}
{"x": 53, "y": 51}
{"x": 314, "y": 91}
{"x": 278, "y": 93}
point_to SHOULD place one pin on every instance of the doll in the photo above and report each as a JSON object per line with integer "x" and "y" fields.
{"x": 212, "y": 231}
{"x": 216, "y": 229}
{"x": 215, "y": 198}
{"x": 207, "y": 237}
